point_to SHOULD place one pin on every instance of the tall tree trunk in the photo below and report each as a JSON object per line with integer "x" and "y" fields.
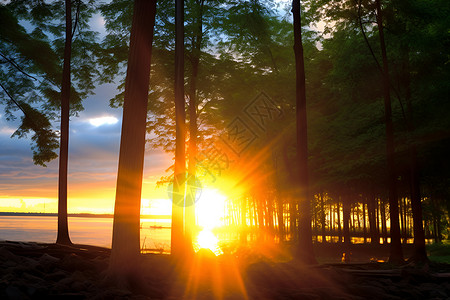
{"x": 179, "y": 244}
{"x": 338, "y": 206}
{"x": 293, "y": 212}
{"x": 358, "y": 217}
{"x": 364, "y": 200}
{"x": 346, "y": 209}
{"x": 352, "y": 219}
{"x": 332, "y": 222}
{"x": 383, "y": 221}
{"x": 374, "y": 239}
{"x": 404, "y": 216}
{"x": 125, "y": 241}
{"x": 305, "y": 246}
{"x": 192, "y": 164}
{"x": 402, "y": 223}
{"x": 420, "y": 253}
{"x": 322, "y": 217}
{"x": 244, "y": 229}
{"x": 280, "y": 217}
{"x": 63, "y": 229}
{"x": 396, "y": 253}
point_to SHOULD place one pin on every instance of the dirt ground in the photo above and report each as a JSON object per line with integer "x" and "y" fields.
{"x": 49, "y": 271}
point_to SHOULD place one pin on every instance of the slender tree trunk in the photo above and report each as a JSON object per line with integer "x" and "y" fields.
{"x": 322, "y": 217}
{"x": 260, "y": 208}
{"x": 293, "y": 218}
{"x": 179, "y": 243}
{"x": 402, "y": 223}
{"x": 352, "y": 219}
{"x": 383, "y": 222}
{"x": 364, "y": 200}
{"x": 339, "y": 221}
{"x": 420, "y": 253}
{"x": 192, "y": 165}
{"x": 280, "y": 214}
{"x": 270, "y": 214}
{"x": 305, "y": 245}
{"x": 332, "y": 222}
{"x": 125, "y": 241}
{"x": 243, "y": 235}
{"x": 396, "y": 252}
{"x": 436, "y": 216}
{"x": 63, "y": 229}
{"x": 357, "y": 214}
{"x": 374, "y": 238}
{"x": 405, "y": 224}
{"x": 346, "y": 209}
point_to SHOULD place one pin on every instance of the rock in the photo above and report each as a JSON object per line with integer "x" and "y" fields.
{"x": 370, "y": 291}
{"x": 6, "y": 255}
{"x": 14, "y": 293}
{"x": 31, "y": 278}
{"x": 48, "y": 259}
{"x": 9, "y": 264}
{"x": 56, "y": 276}
{"x": 73, "y": 262}
{"x": 112, "y": 294}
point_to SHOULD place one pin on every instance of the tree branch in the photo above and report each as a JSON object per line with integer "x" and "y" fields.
{"x": 17, "y": 67}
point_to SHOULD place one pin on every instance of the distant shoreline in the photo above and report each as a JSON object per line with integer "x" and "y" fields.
{"x": 79, "y": 215}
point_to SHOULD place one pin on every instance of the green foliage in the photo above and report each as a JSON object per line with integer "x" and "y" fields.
{"x": 31, "y": 65}
{"x": 44, "y": 137}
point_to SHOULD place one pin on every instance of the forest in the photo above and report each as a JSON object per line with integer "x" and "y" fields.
{"x": 325, "y": 122}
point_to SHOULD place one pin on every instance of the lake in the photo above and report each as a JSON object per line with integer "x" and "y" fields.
{"x": 155, "y": 233}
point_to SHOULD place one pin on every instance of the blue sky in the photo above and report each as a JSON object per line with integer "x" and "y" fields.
{"x": 93, "y": 157}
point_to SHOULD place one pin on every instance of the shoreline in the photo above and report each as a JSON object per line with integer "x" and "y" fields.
{"x": 77, "y": 215}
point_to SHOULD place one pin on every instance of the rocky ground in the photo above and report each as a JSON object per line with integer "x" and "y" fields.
{"x": 49, "y": 271}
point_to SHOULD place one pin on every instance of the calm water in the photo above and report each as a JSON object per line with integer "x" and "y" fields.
{"x": 155, "y": 234}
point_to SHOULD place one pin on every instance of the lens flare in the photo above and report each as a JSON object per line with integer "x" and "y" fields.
{"x": 207, "y": 240}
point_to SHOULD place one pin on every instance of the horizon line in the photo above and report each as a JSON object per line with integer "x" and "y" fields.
{"x": 87, "y": 215}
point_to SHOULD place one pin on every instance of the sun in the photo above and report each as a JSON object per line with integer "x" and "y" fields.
{"x": 210, "y": 209}
{"x": 210, "y": 212}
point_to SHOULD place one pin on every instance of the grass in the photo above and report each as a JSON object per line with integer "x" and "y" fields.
{"x": 439, "y": 252}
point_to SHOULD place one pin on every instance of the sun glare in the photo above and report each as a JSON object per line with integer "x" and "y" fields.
{"x": 207, "y": 240}
{"x": 210, "y": 211}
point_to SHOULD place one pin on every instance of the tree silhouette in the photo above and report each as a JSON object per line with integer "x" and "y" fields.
{"x": 178, "y": 241}
{"x": 305, "y": 249}
{"x": 396, "y": 254}
{"x": 63, "y": 229}
{"x": 125, "y": 242}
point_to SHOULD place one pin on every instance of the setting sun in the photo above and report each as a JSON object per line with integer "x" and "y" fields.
{"x": 210, "y": 209}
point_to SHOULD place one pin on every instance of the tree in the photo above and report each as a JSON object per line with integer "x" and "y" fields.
{"x": 42, "y": 87}
{"x": 63, "y": 228}
{"x": 20, "y": 67}
{"x": 178, "y": 241}
{"x": 125, "y": 242}
{"x": 396, "y": 253}
{"x": 196, "y": 46}
{"x": 305, "y": 249}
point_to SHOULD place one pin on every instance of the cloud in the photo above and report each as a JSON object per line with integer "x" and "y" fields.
{"x": 93, "y": 160}
{"x": 107, "y": 120}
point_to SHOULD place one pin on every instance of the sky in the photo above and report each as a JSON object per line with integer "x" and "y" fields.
{"x": 94, "y": 140}
{"x": 93, "y": 159}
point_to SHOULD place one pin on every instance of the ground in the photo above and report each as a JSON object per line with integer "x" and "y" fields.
{"x": 49, "y": 271}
